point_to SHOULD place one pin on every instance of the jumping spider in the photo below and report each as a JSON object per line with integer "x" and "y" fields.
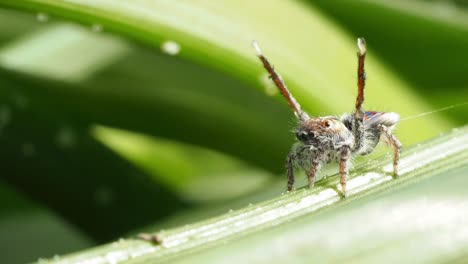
{"x": 324, "y": 139}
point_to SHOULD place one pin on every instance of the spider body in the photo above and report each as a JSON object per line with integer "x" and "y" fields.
{"x": 326, "y": 139}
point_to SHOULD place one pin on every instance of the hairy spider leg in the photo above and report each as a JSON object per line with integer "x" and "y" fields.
{"x": 293, "y": 104}
{"x": 358, "y": 124}
{"x": 290, "y": 170}
{"x": 314, "y": 168}
{"x": 361, "y": 42}
{"x": 300, "y": 114}
{"x": 396, "y": 145}
{"x": 345, "y": 155}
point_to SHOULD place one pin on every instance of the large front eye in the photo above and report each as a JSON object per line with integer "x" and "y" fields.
{"x": 303, "y": 135}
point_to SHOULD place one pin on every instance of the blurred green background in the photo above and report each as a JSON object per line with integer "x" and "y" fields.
{"x": 124, "y": 116}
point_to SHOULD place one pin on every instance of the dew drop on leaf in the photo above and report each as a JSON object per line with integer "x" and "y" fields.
{"x": 170, "y": 47}
{"x": 42, "y": 17}
{"x": 96, "y": 28}
{"x": 66, "y": 137}
{"x": 103, "y": 196}
{"x": 21, "y": 101}
{"x": 5, "y": 116}
{"x": 28, "y": 149}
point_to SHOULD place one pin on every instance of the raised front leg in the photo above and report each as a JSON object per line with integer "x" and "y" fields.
{"x": 358, "y": 124}
{"x": 396, "y": 145}
{"x": 344, "y": 161}
{"x": 290, "y": 170}
{"x": 361, "y": 78}
{"x": 275, "y": 76}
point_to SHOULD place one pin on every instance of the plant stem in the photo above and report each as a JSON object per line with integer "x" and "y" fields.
{"x": 422, "y": 161}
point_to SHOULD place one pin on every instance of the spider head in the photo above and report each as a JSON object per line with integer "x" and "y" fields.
{"x": 316, "y": 130}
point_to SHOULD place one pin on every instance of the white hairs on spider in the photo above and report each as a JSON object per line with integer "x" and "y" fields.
{"x": 361, "y": 42}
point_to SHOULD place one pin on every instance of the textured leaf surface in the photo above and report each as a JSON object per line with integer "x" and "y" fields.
{"x": 405, "y": 207}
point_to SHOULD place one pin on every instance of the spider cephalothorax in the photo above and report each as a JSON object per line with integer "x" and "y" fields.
{"x": 326, "y": 139}
{"x": 322, "y": 131}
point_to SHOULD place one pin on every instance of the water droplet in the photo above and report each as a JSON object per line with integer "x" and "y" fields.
{"x": 103, "y": 196}
{"x": 268, "y": 85}
{"x": 28, "y": 149}
{"x": 96, "y": 28}
{"x": 170, "y": 47}
{"x": 42, "y": 17}
{"x": 66, "y": 137}
{"x": 20, "y": 101}
{"x": 5, "y": 116}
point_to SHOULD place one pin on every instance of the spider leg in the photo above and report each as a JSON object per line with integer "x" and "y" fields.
{"x": 396, "y": 145}
{"x": 275, "y": 76}
{"x": 358, "y": 124}
{"x": 312, "y": 173}
{"x": 290, "y": 169}
{"x": 361, "y": 78}
{"x": 344, "y": 161}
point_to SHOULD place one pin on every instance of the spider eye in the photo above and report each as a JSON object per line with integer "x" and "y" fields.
{"x": 326, "y": 123}
{"x": 302, "y": 135}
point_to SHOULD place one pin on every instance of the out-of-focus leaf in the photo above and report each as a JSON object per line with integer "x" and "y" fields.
{"x": 51, "y": 156}
{"x": 196, "y": 174}
{"x": 133, "y": 92}
{"x": 27, "y": 227}
{"x": 314, "y": 56}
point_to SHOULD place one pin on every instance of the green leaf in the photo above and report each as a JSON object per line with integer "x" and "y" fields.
{"x": 202, "y": 96}
{"x": 315, "y": 57}
{"x": 381, "y": 214}
{"x": 201, "y": 175}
